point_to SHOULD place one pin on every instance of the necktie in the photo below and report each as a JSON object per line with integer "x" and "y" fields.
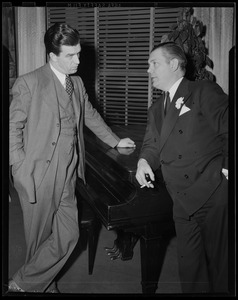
{"x": 167, "y": 103}
{"x": 69, "y": 86}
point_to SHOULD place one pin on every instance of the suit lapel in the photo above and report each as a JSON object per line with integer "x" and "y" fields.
{"x": 173, "y": 113}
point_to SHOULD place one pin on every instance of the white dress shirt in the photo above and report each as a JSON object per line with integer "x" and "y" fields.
{"x": 59, "y": 75}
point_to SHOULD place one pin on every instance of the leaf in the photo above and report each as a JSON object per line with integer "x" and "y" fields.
{"x": 183, "y": 36}
{"x": 185, "y": 47}
{"x": 194, "y": 21}
{"x": 175, "y": 35}
{"x": 174, "y": 26}
{"x": 197, "y": 30}
{"x": 164, "y": 38}
{"x": 179, "y": 42}
{"x": 210, "y": 75}
{"x": 201, "y": 26}
{"x": 170, "y": 35}
{"x": 187, "y": 34}
{"x": 201, "y": 46}
{"x": 209, "y": 62}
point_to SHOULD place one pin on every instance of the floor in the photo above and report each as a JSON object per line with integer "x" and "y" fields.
{"x": 108, "y": 277}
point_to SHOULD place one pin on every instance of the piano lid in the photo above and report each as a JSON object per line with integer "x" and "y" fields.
{"x": 122, "y": 160}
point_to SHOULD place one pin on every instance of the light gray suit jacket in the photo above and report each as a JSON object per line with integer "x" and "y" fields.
{"x": 35, "y": 126}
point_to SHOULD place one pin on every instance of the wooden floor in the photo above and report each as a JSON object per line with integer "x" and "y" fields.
{"x": 109, "y": 276}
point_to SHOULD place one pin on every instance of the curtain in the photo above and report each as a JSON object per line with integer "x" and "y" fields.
{"x": 219, "y": 39}
{"x": 30, "y": 38}
{"x": 9, "y": 49}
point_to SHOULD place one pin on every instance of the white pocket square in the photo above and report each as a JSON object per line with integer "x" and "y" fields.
{"x": 184, "y": 109}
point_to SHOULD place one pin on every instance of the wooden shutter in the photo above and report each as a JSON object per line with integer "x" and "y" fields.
{"x": 80, "y": 18}
{"x": 125, "y": 37}
{"x": 164, "y": 18}
{"x": 123, "y": 41}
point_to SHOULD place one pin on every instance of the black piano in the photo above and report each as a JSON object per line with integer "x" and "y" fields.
{"x": 120, "y": 204}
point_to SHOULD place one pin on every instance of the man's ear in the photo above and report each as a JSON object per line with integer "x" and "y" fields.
{"x": 174, "y": 64}
{"x": 52, "y": 56}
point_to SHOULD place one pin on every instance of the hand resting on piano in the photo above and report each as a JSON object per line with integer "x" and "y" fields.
{"x": 126, "y": 143}
{"x": 125, "y": 151}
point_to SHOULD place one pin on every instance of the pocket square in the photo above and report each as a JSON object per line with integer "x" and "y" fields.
{"x": 184, "y": 109}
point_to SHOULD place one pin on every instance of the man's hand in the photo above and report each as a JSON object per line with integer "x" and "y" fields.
{"x": 126, "y": 143}
{"x": 125, "y": 151}
{"x": 144, "y": 170}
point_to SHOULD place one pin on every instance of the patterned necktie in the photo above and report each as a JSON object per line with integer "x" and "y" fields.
{"x": 69, "y": 86}
{"x": 167, "y": 103}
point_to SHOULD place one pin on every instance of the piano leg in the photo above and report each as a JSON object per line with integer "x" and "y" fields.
{"x": 152, "y": 257}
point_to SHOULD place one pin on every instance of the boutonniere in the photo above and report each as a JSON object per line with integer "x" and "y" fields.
{"x": 179, "y": 102}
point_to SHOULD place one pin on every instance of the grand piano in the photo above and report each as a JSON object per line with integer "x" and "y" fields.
{"x": 120, "y": 204}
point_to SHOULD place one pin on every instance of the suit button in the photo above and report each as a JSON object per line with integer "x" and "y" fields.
{"x": 57, "y": 124}
{"x": 180, "y": 131}
{"x": 53, "y": 143}
{"x": 186, "y": 176}
{"x": 48, "y": 161}
{"x": 162, "y": 162}
{"x": 180, "y": 156}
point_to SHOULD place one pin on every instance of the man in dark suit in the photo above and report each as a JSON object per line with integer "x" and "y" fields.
{"x": 47, "y": 115}
{"x": 187, "y": 137}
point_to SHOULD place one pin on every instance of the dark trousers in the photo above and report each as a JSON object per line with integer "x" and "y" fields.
{"x": 203, "y": 246}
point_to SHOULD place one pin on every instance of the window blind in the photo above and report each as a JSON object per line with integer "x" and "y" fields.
{"x": 123, "y": 40}
{"x": 80, "y": 18}
{"x": 120, "y": 40}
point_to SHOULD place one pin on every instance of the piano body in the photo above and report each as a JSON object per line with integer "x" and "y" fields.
{"x": 120, "y": 204}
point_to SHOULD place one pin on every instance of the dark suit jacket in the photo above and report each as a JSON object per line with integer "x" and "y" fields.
{"x": 35, "y": 126}
{"x": 190, "y": 143}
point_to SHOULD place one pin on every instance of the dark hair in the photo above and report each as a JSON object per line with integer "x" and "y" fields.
{"x": 58, "y": 35}
{"x": 172, "y": 50}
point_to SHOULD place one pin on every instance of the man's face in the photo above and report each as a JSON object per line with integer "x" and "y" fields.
{"x": 160, "y": 70}
{"x": 68, "y": 60}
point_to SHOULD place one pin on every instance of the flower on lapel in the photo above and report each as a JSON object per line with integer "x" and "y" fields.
{"x": 179, "y": 102}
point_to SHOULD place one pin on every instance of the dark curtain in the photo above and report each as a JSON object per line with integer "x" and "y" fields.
{"x": 8, "y": 78}
{"x": 9, "y": 47}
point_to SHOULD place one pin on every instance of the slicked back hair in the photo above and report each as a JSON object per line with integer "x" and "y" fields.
{"x": 172, "y": 50}
{"x": 58, "y": 35}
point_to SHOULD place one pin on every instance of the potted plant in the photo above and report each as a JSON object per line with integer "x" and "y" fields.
{"x": 188, "y": 33}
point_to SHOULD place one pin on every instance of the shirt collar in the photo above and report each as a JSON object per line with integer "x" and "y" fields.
{"x": 174, "y": 88}
{"x": 59, "y": 75}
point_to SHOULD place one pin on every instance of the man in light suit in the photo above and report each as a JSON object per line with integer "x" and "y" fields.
{"x": 47, "y": 115}
{"x": 189, "y": 142}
